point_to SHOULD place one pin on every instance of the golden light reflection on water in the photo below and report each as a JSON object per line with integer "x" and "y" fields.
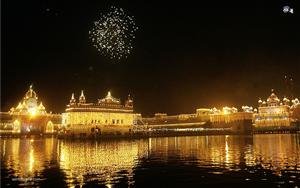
{"x": 25, "y": 157}
{"x": 206, "y": 150}
{"x": 108, "y": 161}
{"x": 105, "y": 159}
{"x": 278, "y": 152}
{"x": 275, "y": 150}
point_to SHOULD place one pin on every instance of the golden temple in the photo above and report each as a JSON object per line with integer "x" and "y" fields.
{"x": 107, "y": 116}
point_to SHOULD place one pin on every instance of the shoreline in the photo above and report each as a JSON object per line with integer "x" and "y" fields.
{"x": 148, "y": 135}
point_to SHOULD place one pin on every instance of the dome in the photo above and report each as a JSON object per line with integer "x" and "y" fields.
{"x": 109, "y": 99}
{"x": 273, "y": 99}
{"x": 286, "y": 99}
{"x": 295, "y": 101}
{"x": 30, "y": 93}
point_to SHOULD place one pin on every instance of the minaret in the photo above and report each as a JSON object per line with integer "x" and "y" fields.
{"x": 73, "y": 100}
{"x": 82, "y": 98}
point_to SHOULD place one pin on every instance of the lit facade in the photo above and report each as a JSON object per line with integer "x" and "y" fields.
{"x": 107, "y": 116}
{"x": 274, "y": 112}
{"x": 226, "y": 115}
{"x": 29, "y": 116}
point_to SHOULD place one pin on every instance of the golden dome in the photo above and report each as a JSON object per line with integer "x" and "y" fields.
{"x": 295, "y": 101}
{"x": 109, "y": 99}
{"x": 286, "y": 99}
{"x": 273, "y": 99}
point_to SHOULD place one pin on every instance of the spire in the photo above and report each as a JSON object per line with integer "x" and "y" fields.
{"x": 73, "y": 100}
{"x": 82, "y": 97}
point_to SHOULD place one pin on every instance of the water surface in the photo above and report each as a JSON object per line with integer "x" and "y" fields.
{"x": 194, "y": 161}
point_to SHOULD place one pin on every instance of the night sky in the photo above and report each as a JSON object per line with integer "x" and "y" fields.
{"x": 186, "y": 55}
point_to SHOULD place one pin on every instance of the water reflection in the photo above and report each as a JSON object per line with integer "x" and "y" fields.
{"x": 280, "y": 152}
{"x": 135, "y": 162}
{"x": 219, "y": 151}
{"x": 25, "y": 159}
{"x": 100, "y": 161}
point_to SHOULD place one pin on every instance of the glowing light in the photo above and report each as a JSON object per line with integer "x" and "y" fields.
{"x": 247, "y": 108}
{"x": 28, "y": 106}
{"x": 17, "y": 126}
{"x": 226, "y": 149}
{"x": 32, "y": 111}
{"x": 226, "y": 110}
{"x": 31, "y": 160}
{"x": 113, "y": 33}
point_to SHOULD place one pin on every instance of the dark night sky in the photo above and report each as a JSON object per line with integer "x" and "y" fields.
{"x": 185, "y": 56}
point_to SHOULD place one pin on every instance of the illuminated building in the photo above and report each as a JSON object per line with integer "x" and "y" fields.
{"x": 229, "y": 118}
{"x": 205, "y": 119}
{"x": 29, "y": 105}
{"x": 29, "y": 116}
{"x": 274, "y": 112}
{"x": 107, "y": 116}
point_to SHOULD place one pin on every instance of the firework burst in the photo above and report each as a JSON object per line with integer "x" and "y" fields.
{"x": 113, "y": 33}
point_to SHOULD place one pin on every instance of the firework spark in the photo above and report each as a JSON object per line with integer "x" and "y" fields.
{"x": 113, "y": 33}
